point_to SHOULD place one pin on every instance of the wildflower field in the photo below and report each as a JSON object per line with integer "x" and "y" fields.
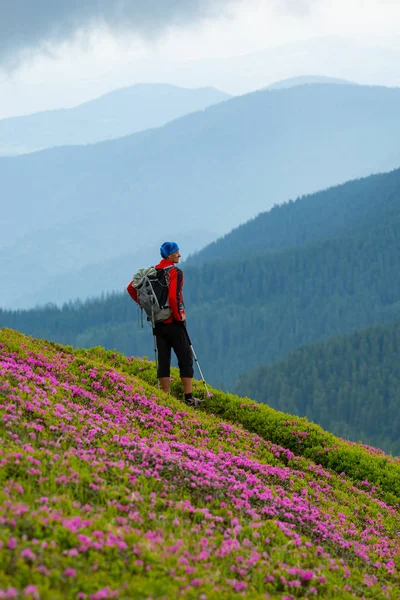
{"x": 110, "y": 488}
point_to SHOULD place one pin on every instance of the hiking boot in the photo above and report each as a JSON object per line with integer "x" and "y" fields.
{"x": 194, "y": 402}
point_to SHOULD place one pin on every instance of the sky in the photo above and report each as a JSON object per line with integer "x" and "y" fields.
{"x": 59, "y": 54}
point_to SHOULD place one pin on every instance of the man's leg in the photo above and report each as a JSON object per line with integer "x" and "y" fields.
{"x": 183, "y": 352}
{"x": 187, "y": 384}
{"x": 164, "y": 358}
{"x": 165, "y": 384}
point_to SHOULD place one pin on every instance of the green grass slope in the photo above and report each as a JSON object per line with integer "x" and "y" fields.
{"x": 349, "y": 384}
{"x": 112, "y": 489}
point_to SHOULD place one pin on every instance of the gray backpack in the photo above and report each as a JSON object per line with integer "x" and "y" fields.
{"x": 152, "y": 286}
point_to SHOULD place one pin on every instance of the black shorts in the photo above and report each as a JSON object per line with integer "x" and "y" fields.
{"x": 173, "y": 336}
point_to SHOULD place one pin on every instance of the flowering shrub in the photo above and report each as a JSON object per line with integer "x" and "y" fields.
{"x": 110, "y": 488}
{"x": 358, "y": 462}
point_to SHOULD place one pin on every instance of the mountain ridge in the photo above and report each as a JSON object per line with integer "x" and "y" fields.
{"x": 307, "y": 80}
{"x": 265, "y": 148}
{"x": 113, "y": 115}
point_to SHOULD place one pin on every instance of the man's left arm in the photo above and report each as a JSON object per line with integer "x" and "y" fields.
{"x": 175, "y": 294}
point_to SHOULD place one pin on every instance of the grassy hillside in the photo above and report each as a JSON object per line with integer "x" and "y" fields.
{"x": 110, "y": 488}
{"x": 348, "y": 384}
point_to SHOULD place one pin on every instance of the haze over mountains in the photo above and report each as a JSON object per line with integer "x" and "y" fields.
{"x": 37, "y": 286}
{"x": 373, "y": 62}
{"x": 259, "y": 303}
{"x": 370, "y": 62}
{"x": 366, "y": 61}
{"x": 209, "y": 170}
{"x": 114, "y": 115}
{"x": 117, "y": 114}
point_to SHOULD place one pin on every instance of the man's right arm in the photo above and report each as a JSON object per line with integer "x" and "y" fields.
{"x": 132, "y": 292}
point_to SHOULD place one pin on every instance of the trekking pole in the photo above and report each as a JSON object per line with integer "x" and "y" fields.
{"x": 153, "y": 324}
{"x": 155, "y": 354}
{"x": 196, "y": 361}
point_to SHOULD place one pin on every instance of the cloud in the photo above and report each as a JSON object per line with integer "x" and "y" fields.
{"x": 297, "y": 7}
{"x": 33, "y": 25}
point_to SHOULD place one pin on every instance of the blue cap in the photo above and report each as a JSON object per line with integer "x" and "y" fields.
{"x": 168, "y": 248}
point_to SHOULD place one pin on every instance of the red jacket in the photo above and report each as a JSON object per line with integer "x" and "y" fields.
{"x": 174, "y": 292}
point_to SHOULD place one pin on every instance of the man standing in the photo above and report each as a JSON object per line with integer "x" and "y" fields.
{"x": 171, "y": 333}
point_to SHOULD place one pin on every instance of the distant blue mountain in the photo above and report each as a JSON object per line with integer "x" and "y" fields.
{"x": 306, "y": 80}
{"x": 111, "y": 116}
{"x": 210, "y": 170}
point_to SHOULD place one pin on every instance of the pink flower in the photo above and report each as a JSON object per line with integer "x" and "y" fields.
{"x": 70, "y": 572}
{"x": 32, "y": 590}
{"x": 307, "y": 575}
{"x": 27, "y": 553}
{"x": 104, "y": 593}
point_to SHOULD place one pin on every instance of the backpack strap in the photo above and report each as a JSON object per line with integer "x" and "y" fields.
{"x": 166, "y": 269}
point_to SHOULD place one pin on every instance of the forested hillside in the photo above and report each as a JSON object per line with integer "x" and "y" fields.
{"x": 349, "y": 384}
{"x": 253, "y": 310}
{"x": 352, "y": 207}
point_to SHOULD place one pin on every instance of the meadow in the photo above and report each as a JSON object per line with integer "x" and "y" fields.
{"x": 110, "y": 488}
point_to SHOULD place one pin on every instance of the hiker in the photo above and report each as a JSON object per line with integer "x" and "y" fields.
{"x": 170, "y": 333}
